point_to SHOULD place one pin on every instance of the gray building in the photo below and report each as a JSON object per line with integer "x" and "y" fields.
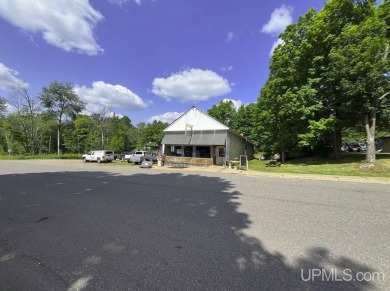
{"x": 199, "y": 139}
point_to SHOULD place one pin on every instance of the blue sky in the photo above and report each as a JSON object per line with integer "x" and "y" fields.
{"x": 146, "y": 59}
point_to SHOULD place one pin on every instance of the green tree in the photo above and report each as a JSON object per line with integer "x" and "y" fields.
{"x": 224, "y": 112}
{"x": 83, "y": 131}
{"x": 122, "y": 134}
{"x": 360, "y": 58}
{"x": 62, "y": 102}
{"x": 288, "y": 101}
{"x": 152, "y": 134}
{"x": 27, "y": 115}
{"x": 246, "y": 123}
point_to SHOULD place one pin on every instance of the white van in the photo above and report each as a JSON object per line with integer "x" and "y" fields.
{"x": 99, "y": 156}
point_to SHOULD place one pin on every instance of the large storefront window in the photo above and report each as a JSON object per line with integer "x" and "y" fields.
{"x": 203, "y": 152}
{"x": 188, "y": 151}
{"x": 174, "y": 151}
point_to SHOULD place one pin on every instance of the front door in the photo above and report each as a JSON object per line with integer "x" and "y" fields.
{"x": 220, "y": 155}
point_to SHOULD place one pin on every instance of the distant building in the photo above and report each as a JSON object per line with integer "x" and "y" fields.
{"x": 385, "y": 144}
{"x": 199, "y": 139}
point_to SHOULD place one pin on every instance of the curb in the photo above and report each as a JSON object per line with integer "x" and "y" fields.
{"x": 354, "y": 179}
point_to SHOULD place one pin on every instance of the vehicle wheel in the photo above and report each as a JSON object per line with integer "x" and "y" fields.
{"x": 84, "y": 160}
{"x": 98, "y": 160}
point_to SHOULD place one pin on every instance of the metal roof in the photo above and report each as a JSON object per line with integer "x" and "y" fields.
{"x": 203, "y": 137}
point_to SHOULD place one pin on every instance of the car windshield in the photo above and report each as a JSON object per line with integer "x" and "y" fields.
{"x": 362, "y": 144}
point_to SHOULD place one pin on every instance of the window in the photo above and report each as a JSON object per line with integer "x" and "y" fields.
{"x": 203, "y": 152}
{"x": 188, "y": 151}
{"x": 174, "y": 151}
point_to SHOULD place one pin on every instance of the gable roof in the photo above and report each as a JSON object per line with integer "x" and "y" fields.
{"x": 196, "y": 120}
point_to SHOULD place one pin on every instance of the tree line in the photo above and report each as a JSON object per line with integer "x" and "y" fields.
{"x": 52, "y": 122}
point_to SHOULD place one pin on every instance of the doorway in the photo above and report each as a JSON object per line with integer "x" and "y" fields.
{"x": 220, "y": 155}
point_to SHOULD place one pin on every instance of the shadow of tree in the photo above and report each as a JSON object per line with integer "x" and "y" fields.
{"x": 103, "y": 231}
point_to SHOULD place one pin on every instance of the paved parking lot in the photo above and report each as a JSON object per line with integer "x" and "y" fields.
{"x": 65, "y": 225}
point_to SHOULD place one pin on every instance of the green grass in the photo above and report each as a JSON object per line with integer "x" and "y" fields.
{"x": 349, "y": 165}
{"x": 42, "y": 157}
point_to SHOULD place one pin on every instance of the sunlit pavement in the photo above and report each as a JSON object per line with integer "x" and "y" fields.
{"x": 65, "y": 225}
{"x": 227, "y": 170}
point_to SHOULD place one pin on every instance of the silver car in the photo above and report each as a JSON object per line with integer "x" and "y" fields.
{"x": 362, "y": 147}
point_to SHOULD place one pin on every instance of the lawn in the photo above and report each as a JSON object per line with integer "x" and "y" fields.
{"x": 349, "y": 165}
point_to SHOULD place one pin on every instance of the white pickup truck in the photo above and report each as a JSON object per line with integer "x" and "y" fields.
{"x": 99, "y": 156}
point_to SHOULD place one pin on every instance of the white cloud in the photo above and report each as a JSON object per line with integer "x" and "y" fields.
{"x": 113, "y": 97}
{"x": 226, "y": 69}
{"x": 237, "y": 103}
{"x": 124, "y": 2}
{"x": 120, "y": 2}
{"x": 67, "y": 24}
{"x": 229, "y": 37}
{"x": 166, "y": 117}
{"x": 8, "y": 79}
{"x": 275, "y": 45}
{"x": 191, "y": 85}
{"x": 280, "y": 18}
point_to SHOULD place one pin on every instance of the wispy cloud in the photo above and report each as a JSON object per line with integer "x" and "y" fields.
{"x": 118, "y": 2}
{"x": 226, "y": 69}
{"x": 230, "y": 36}
{"x": 236, "y": 103}
{"x": 8, "y": 78}
{"x": 280, "y": 18}
{"x": 275, "y": 45}
{"x": 168, "y": 117}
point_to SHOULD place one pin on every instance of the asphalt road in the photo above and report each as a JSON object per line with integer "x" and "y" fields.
{"x": 65, "y": 225}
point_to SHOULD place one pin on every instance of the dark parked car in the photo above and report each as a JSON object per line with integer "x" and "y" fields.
{"x": 351, "y": 147}
{"x": 151, "y": 157}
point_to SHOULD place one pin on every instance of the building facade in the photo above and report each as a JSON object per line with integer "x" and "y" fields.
{"x": 199, "y": 139}
{"x": 386, "y": 144}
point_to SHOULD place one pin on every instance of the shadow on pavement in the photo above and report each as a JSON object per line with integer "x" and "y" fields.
{"x": 100, "y": 231}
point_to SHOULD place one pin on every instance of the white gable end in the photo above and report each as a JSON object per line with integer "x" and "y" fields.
{"x": 196, "y": 120}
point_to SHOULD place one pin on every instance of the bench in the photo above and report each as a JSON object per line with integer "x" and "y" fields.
{"x": 273, "y": 163}
{"x": 177, "y": 164}
{"x": 233, "y": 163}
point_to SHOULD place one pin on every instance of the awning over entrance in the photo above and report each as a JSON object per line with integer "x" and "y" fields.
{"x": 195, "y": 138}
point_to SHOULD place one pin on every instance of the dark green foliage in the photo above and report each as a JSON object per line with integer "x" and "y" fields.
{"x": 224, "y": 112}
{"x": 151, "y": 135}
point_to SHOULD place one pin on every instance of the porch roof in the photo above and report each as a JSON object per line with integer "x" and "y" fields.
{"x": 209, "y": 137}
